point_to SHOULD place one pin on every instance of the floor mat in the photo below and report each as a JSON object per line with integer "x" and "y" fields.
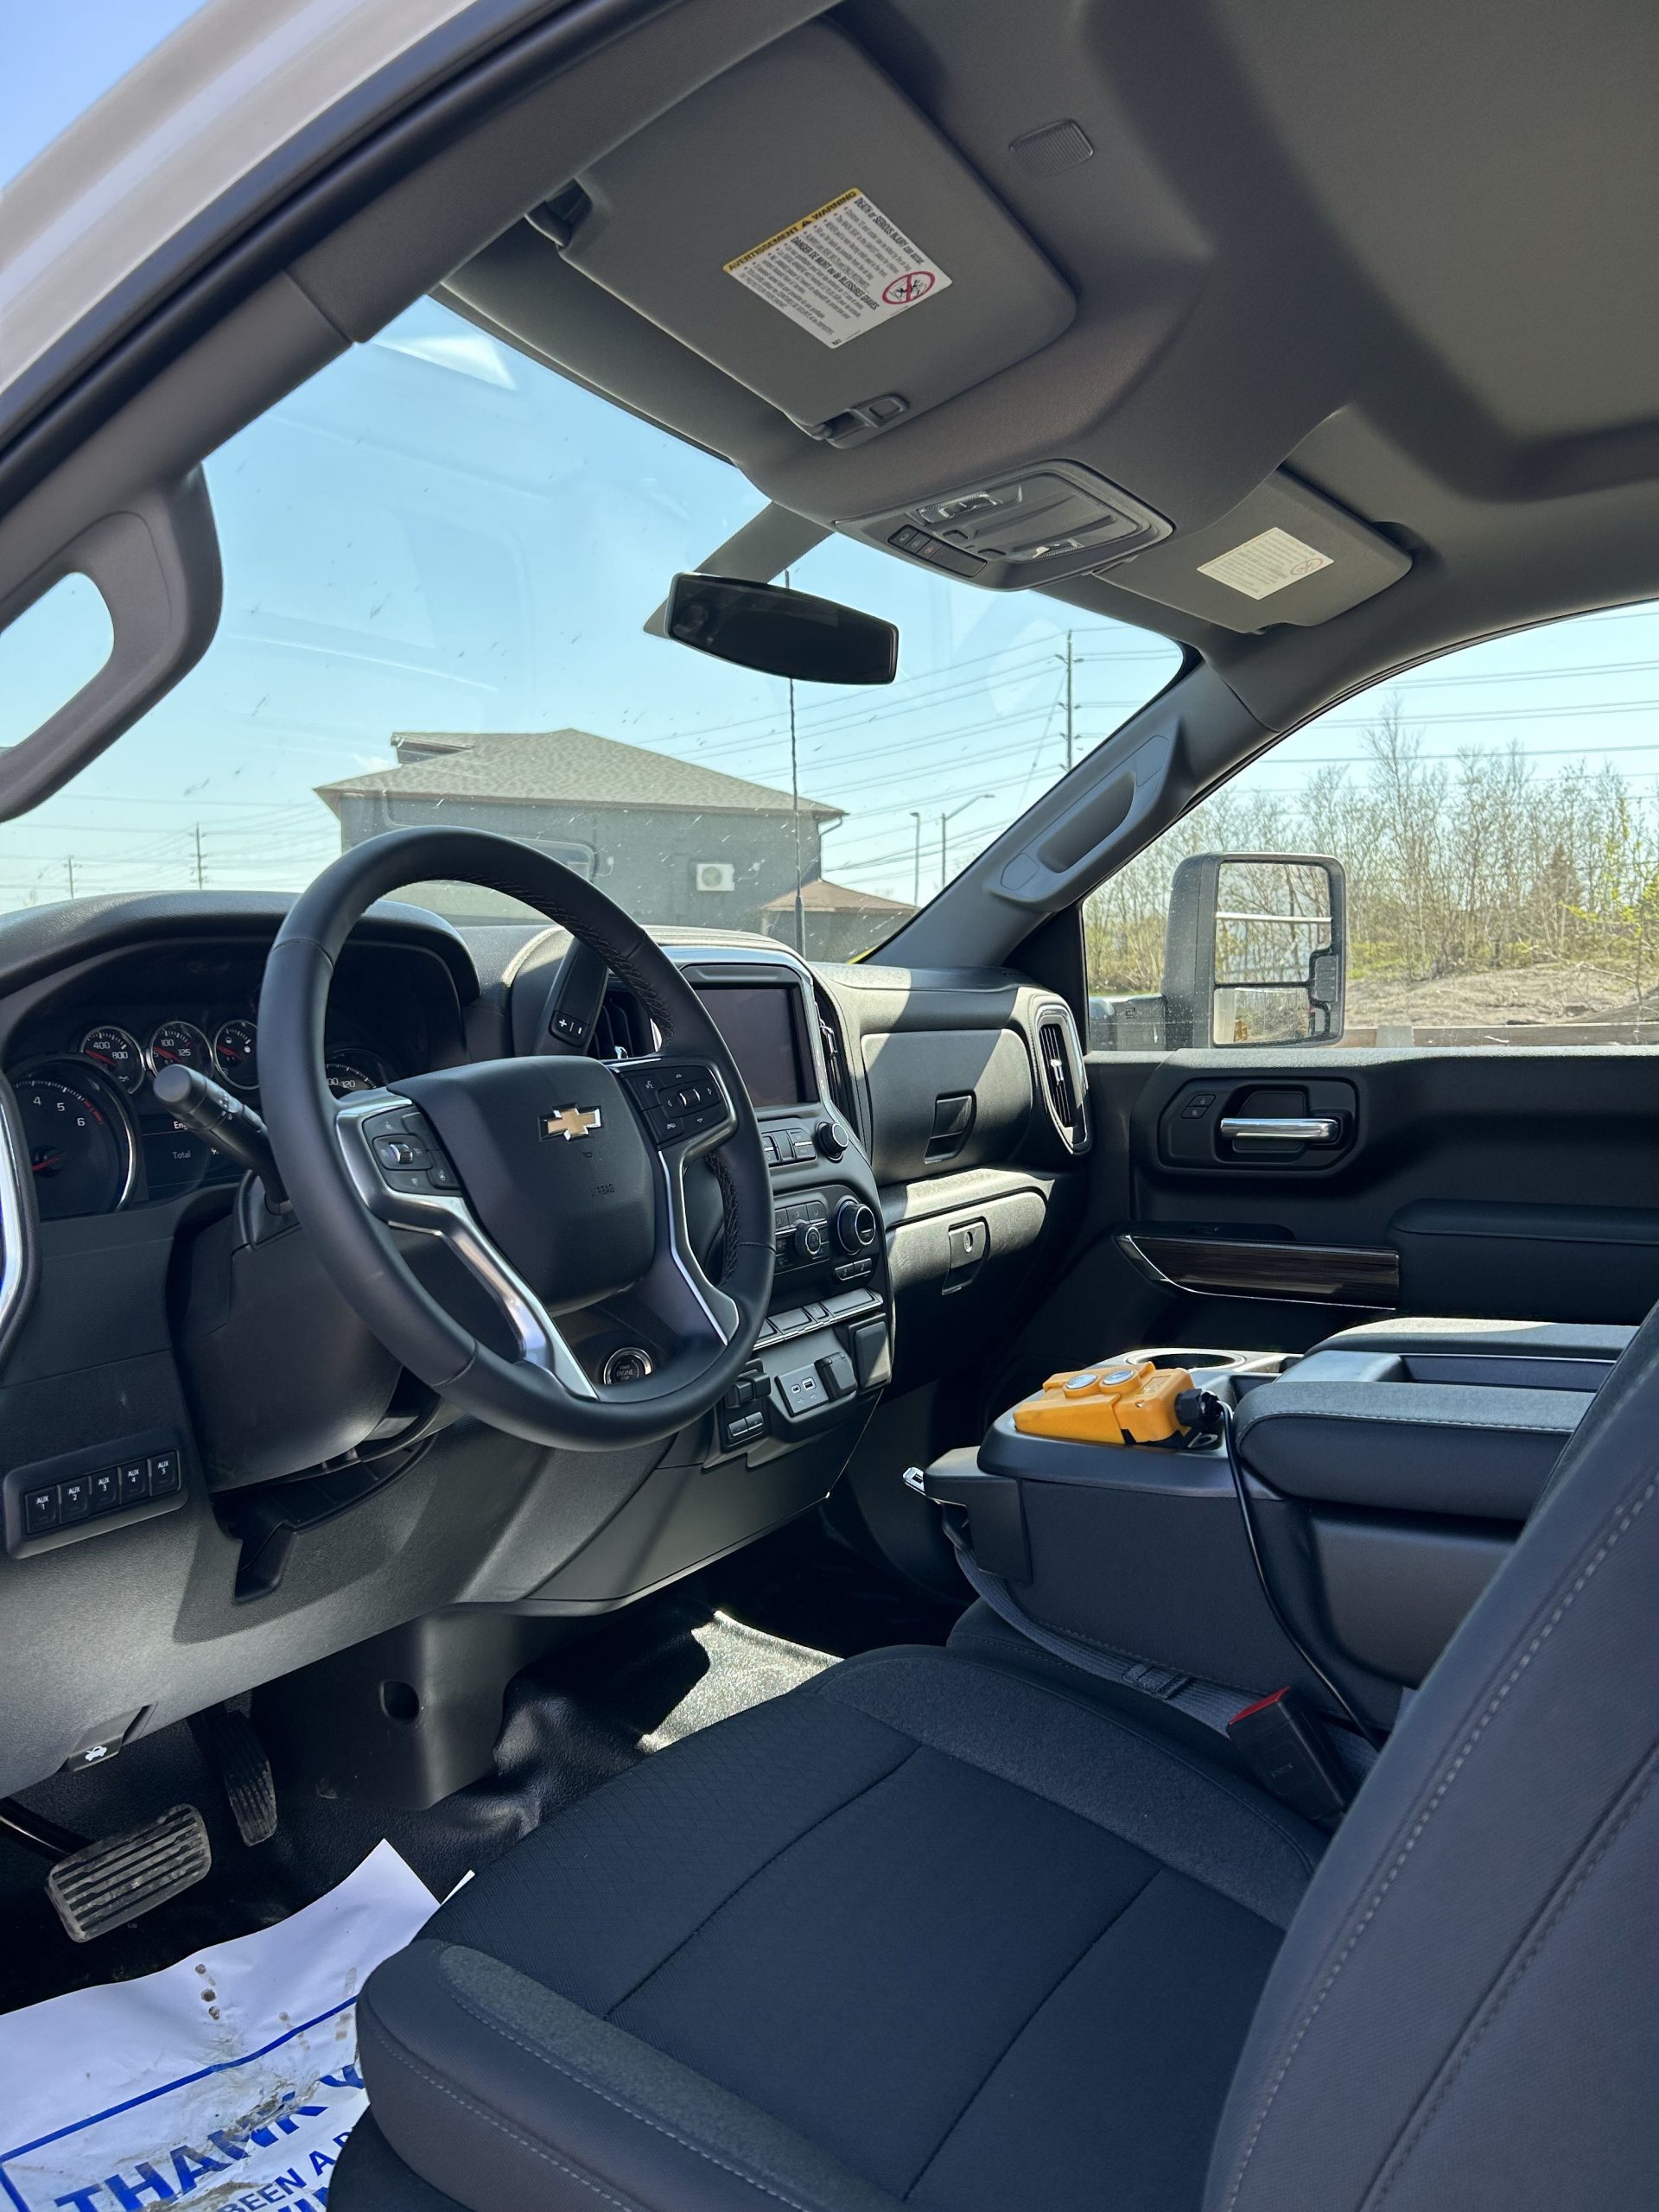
{"x": 232, "y": 2073}
{"x": 649, "y": 1677}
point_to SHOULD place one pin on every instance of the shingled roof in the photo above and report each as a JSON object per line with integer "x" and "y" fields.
{"x": 822, "y": 897}
{"x": 560, "y": 768}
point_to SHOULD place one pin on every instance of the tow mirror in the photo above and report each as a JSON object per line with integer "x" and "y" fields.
{"x": 1255, "y": 950}
{"x": 780, "y": 632}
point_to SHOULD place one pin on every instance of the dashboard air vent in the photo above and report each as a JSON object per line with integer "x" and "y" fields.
{"x": 835, "y": 1060}
{"x": 1062, "y": 1077}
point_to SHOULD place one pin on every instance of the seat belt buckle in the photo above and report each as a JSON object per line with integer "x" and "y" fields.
{"x": 1287, "y": 1750}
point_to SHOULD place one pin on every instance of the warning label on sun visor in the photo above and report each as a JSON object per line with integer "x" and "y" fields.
{"x": 841, "y": 271}
{"x": 1263, "y": 565}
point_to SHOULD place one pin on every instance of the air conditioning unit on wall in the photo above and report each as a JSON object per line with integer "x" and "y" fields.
{"x": 713, "y": 875}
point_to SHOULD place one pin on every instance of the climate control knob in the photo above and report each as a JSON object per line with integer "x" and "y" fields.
{"x": 856, "y": 1226}
{"x": 811, "y": 1241}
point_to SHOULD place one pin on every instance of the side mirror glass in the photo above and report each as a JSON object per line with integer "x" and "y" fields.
{"x": 1255, "y": 950}
{"x": 781, "y": 632}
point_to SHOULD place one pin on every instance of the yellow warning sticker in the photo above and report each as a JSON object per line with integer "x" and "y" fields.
{"x": 841, "y": 271}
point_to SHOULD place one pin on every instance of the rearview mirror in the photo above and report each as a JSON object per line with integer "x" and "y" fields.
{"x": 1255, "y": 952}
{"x": 780, "y": 632}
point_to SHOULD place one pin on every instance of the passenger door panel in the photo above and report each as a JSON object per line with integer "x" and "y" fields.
{"x": 1505, "y": 1182}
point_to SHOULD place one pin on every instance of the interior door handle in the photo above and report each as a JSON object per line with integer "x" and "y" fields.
{"x": 1282, "y": 1128}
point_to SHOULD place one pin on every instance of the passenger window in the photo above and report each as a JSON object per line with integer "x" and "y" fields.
{"x": 1495, "y": 816}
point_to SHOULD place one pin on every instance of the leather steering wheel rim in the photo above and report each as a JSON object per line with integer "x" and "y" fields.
{"x": 546, "y": 1399}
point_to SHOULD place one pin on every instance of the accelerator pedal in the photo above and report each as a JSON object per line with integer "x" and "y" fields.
{"x": 228, "y": 1740}
{"x": 105, "y": 1884}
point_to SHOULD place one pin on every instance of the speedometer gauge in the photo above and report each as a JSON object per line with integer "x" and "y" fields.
{"x": 344, "y": 1077}
{"x": 236, "y": 1050}
{"x": 115, "y": 1053}
{"x": 179, "y": 1044}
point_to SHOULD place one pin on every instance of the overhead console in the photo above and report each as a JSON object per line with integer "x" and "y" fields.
{"x": 824, "y": 244}
{"x": 1022, "y": 528}
{"x": 799, "y": 223}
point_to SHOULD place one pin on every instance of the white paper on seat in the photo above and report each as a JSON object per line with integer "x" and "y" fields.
{"x": 227, "y": 2083}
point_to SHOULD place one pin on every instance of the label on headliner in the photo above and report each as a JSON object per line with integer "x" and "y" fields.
{"x": 1265, "y": 564}
{"x": 841, "y": 271}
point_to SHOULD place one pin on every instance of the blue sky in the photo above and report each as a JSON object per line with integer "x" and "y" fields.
{"x": 436, "y": 533}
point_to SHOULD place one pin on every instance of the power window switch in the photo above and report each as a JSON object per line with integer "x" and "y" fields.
{"x": 41, "y": 1510}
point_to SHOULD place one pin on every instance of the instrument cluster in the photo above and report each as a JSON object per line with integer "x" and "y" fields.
{"x": 97, "y": 1138}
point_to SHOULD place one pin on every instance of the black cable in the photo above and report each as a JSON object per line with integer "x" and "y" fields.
{"x": 1221, "y": 1413}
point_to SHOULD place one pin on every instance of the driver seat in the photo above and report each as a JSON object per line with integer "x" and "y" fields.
{"x": 935, "y": 1931}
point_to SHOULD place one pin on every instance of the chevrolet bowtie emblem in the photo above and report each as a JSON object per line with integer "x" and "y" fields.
{"x": 570, "y": 1122}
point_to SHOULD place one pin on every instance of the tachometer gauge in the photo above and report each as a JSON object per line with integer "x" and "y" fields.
{"x": 80, "y": 1147}
{"x": 179, "y": 1044}
{"x": 115, "y": 1053}
{"x": 236, "y": 1051}
{"x": 344, "y": 1077}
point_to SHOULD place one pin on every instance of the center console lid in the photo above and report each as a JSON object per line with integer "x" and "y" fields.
{"x": 1527, "y": 1355}
{"x": 1426, "y": 1415}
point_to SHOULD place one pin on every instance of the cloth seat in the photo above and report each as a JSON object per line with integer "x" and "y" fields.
{"x": 923, "y": 1931}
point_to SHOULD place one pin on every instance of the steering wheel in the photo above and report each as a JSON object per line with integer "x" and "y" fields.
{"x": 557, "y": 1180}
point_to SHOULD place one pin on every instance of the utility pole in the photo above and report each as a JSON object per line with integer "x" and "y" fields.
{"x": 795, "y": 810}
{"x": 916, "y": 872}
{"x": 201, "y": 880}
{"x": 70, "y": 865}
{"x": 1070, "y": 724}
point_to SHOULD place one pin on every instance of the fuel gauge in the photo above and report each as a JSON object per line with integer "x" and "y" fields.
{"x": 236, "y": 1050}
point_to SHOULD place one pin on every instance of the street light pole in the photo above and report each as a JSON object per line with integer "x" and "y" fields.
{"x": 951, "y": 816}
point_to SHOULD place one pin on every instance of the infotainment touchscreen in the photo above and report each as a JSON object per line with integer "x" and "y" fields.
{"x": 757, "y": 1022}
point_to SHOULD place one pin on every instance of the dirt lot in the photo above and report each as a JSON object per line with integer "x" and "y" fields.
{"x": 1554, "y": 993}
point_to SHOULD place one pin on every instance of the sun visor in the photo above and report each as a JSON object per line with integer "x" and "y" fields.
{"x": 1283, "y": 555}
{"x": 802, "y": 226}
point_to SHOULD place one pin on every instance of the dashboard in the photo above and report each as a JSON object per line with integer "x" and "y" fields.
{"x": 97, "y": 1138}
{"x": 83, "y": 1061}
{"x": 322, "y": 1497}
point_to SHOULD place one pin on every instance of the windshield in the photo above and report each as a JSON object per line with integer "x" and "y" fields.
{"x": 439, "y": 558}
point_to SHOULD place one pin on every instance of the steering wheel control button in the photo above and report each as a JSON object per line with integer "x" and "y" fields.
{"x": 401, "y": 1151}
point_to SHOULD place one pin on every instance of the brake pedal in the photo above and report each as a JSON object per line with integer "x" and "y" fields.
{"x": 229, "y": 1740}
{"x": 105, "y": 1884}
